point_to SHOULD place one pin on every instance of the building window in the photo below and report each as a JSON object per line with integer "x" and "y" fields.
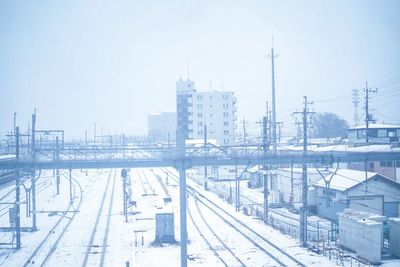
{"x": 210, "y": 114}
{"x": 199, "y": 123}
{"x": 226, "y": 114}
{"x": 226, "y": 141}
{"x": 225, "y": 105}
{"x": 226, "y": 132}
{"x": 200, "y": 132}
{"x": 210, "y": 106}
{"x": 226, "y": 123}
{"x": 225, "y": 96}
{"x": 199, "y": 97}
{"x": 200, "y": 106}
{"x": 199, "y": 115}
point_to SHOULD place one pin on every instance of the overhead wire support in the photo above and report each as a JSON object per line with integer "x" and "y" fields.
{"x": 303, "y": 212}
{"x": 273, "y": 56}
{"x": 368, "y": 116}
{"x": 356, "y": 101}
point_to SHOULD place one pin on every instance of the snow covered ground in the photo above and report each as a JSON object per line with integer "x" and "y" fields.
{"x": 97, "y": 235}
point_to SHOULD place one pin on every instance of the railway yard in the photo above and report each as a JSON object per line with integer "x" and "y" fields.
{"x": 91, "y": 230}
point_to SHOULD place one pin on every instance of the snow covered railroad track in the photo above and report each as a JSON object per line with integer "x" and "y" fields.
{"x": 147, "y": 188}
{"x": 4, "y": 209}
{"x": 277, "y": 254}
{"x": 94, "y": 234}
{"x": 43, "y": 252}
{"x": 226, "y": 256}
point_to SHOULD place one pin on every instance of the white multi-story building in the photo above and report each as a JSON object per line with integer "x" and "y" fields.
{"x": 213, "y": 110}
{"x": 162, "y": 126}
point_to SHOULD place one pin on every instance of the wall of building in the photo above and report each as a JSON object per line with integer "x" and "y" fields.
{"x": 284, "y": 182}
{"x": 388, "y": 169}
{"x": 162, "y": 126}
{"x": 383, "y": 197}
{"x": 215, "y": 109}
{"x": 378, "y": 186}
{"x": 218, "y": 111}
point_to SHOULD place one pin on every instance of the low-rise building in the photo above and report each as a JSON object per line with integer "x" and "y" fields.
{"x": 362, "y": 191}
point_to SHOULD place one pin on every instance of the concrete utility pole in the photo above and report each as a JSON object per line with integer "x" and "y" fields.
{"x": 356, "y": 101}
{"x": 57, "y": 170}
{"x": 15, "y": 122}
{"x": 304, "y": 186}
{"x": 17, "y": 193}
{"x": 181, "y": 134}
{"x": 265, "y": 167}
{"x": 33, "y": 178}
{"x": 273, "y": 101}
{"x": 368, "y": 116}
{"x": 205, "y": 154}
{"x": 244, "y": 131}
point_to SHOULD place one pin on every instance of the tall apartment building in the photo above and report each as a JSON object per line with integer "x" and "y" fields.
{"x": 162, "y": 126}
{"x": 215, "y": 109}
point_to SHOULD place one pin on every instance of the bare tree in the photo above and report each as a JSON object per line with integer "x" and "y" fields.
{"x": 328, "y": 125}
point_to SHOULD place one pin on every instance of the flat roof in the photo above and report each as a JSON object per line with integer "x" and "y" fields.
{"x": 376, "y": 126}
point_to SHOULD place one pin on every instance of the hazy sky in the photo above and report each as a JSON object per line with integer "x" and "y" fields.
{"x": 113, "y": 62}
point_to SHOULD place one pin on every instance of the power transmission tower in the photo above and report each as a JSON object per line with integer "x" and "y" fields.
{"x": 303, "y": 212}
{"x": 368, "y": 116}
{"x": 356, "y": 101}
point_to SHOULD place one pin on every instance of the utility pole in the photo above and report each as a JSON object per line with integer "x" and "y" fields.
{"x": 368, "y": 117}
{"x": 244, "y": 131}
{"x": 181, "y": 135}
{"x": 15, "y": 122}
{"x": 33, "y": 179}
{"x": 273, "y": 100}
{"x": 356, "y": 101}
{"x": 303, "y": 211}
{"x": 94, "y": 141}
{"x": 17, "y": 192}
{"x": 265, "y": 167}
{"x": 205, "y": 154}
{"x": 57, "y": 170}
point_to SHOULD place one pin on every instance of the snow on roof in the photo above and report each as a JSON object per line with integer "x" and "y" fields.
{"x": 345, "y": 179}
{"x": 376, "y": 126}
{"x": 7, "y": 156}
{"x": 347, "y": 148}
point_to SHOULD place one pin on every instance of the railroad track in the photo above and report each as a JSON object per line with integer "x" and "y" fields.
{"x": 213, "y": 241}
{"x": 275, "y": 253}
{"x": 147, "y": 188}
{"x": 294, "y": 222}
{"x": 41, "y": 255}
{"x": 90, "y": 246}
{"x": 39, "y": 188}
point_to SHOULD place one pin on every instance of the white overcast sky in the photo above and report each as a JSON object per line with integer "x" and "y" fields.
{"x": 113, "y": 62}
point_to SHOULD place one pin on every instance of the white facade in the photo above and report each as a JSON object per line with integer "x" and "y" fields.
{"x": 162, "y": 126}
{"x": 215, "y": 109}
